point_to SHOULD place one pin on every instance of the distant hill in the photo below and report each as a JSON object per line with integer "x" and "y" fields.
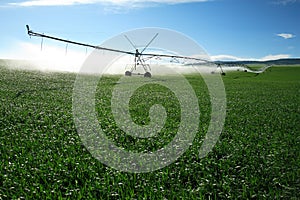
{"x": 26, "y": 64}
{"x": 287, "y": 61}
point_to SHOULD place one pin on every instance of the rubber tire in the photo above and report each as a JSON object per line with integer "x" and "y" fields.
{"x": 147, "y": 75}
{"x": 128, "y": 73}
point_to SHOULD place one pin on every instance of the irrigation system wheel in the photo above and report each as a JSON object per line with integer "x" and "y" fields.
{"x": 128, "y": 73}
{"x": 147, "y": 75}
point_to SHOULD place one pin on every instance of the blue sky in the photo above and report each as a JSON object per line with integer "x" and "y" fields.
{"x": 226, "y": 29}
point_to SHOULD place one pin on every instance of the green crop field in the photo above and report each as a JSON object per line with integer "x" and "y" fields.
{"x": 257, "y": 155}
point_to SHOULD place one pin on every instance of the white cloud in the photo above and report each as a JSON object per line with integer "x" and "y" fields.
{"x": 228, "y": 58}
{"x": 286, "y": 35}
{"x": 123, "y": 3}
{"x": 285, "y": 2}
{"x": 275, "y": 57}
{"x": 51, "y": 2}
{"x": 235, "y": 58}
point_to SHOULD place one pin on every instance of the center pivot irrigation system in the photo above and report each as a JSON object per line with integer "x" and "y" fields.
{"x": 140, "y": 57}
